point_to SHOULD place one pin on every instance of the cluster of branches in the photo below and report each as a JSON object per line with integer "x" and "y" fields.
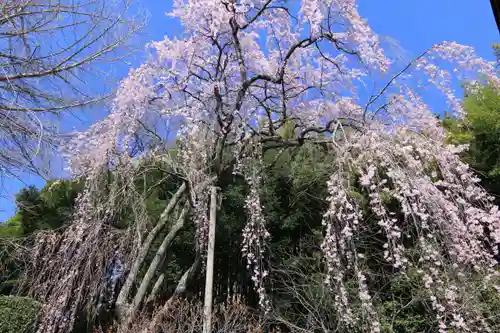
{"x": 51, "y": 56}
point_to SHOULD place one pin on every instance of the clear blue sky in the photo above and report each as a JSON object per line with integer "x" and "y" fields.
{"x": 416, "y": 25}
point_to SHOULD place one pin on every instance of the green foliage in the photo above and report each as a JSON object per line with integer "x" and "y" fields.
{"x": 12, "y": 227}
{"x": 490, "y": 305}
{"x": 60, "y": 193}
{"x": 58, "y": 199}
{"x": 287, "y": 131}
{"x": 410, "y": 320}
{"x": 17, "y": 314}
{"x": 49, "y": 208}
{"x": 480, "y": 129}
{"x": 405, "y": 307}
{"x": 29, "y": 206}
{"x": 10, "y": 233}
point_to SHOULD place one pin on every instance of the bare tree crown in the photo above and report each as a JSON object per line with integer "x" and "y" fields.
{"x": 53, "y": 54}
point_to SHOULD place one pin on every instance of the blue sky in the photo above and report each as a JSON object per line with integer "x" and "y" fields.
{"x": 416, "y": 25}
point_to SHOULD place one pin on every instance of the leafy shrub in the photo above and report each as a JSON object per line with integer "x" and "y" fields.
{"x": 17, "y": 314}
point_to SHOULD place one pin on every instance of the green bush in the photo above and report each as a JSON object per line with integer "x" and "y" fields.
{"x": 17, "y": 314}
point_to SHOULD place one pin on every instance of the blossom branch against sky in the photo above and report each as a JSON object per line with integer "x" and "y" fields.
{"x": 416, "y": 26}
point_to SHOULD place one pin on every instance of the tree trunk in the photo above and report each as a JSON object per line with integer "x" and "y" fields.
{"x": 207, "y": 310}
{"x": 156, "y": 287}
{"x": 160, "y": 254}
{"x": 122, "y": 304}
{"x": 179, "y": 290}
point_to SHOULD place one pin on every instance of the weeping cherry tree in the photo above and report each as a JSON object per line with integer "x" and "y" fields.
{"x": 247, "y": 76}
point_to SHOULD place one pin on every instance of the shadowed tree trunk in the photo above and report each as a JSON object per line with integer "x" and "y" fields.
{"x": 122, "y": 305}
